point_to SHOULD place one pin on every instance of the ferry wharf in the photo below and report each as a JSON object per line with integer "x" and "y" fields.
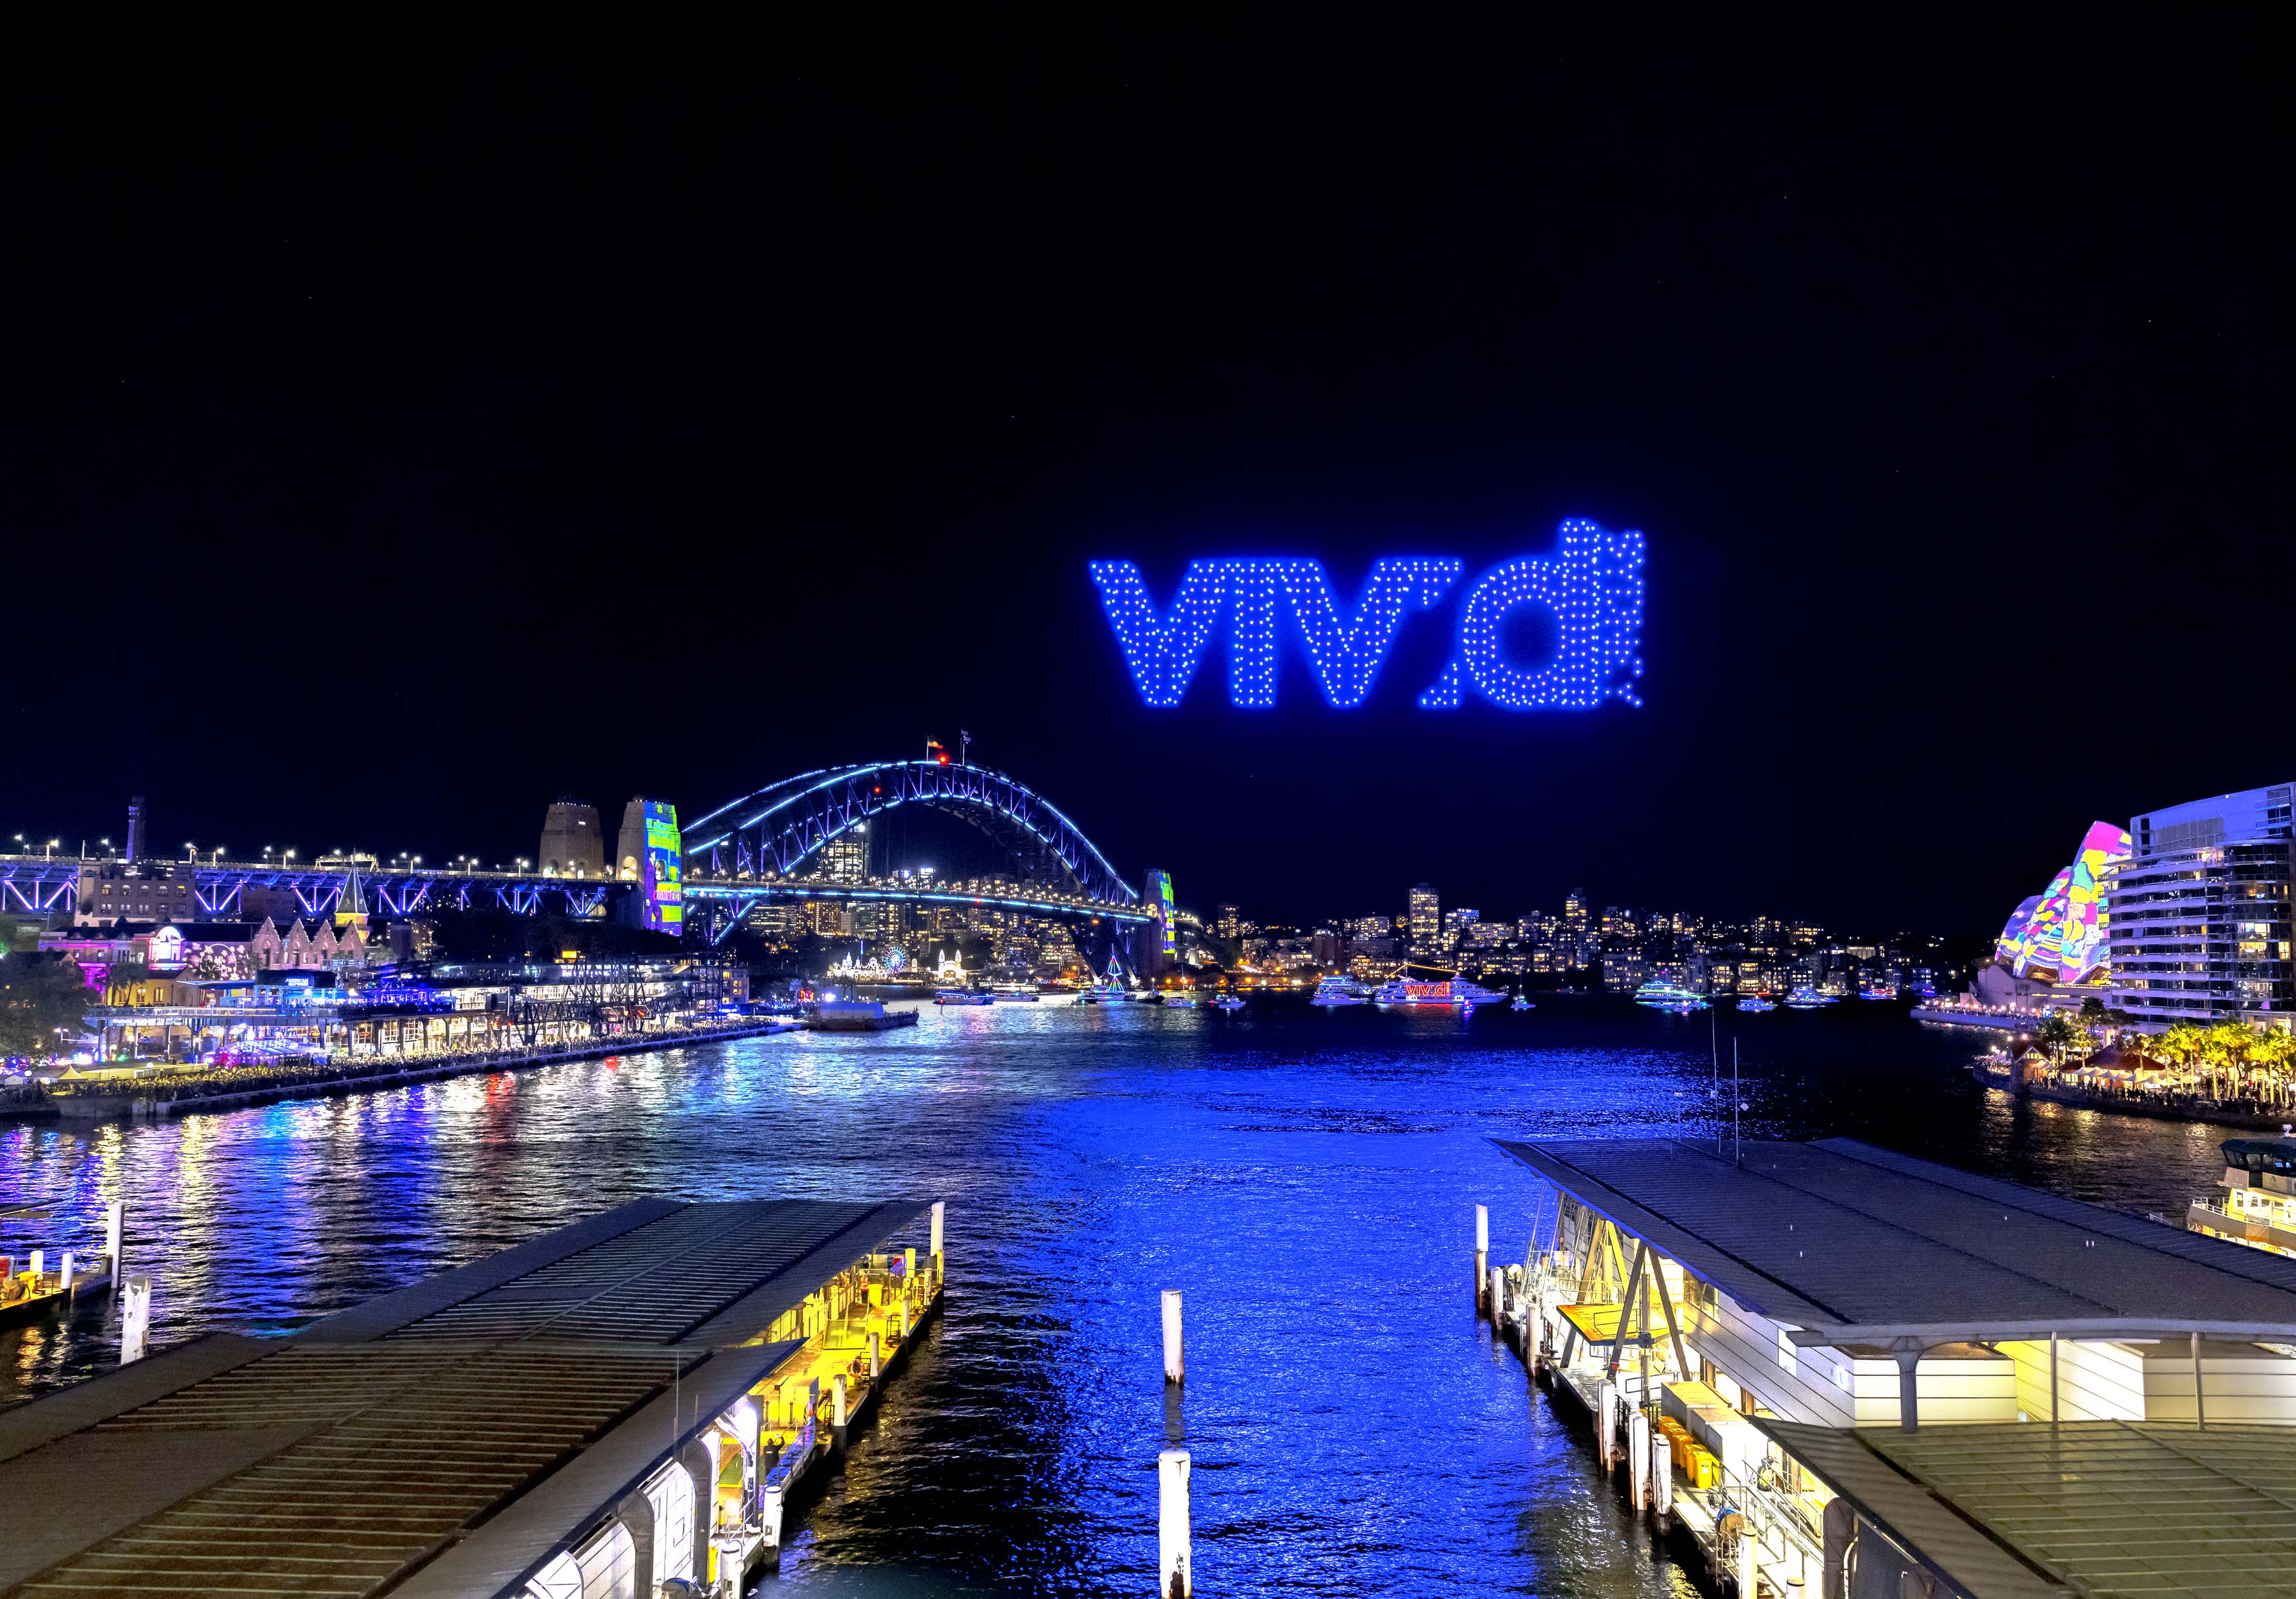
{"x": 154, "y": 1096}
{"x": 646, "y": 1396}
{"x": 1833, "y": 1370}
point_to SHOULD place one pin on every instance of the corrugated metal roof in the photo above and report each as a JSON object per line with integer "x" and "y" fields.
{"x": 2120, "y": 1510}
{"x": 337, "y": 1462}
{"x": 1843, "y": 1238}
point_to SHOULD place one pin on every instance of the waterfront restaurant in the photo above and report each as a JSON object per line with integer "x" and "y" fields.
{"x": 631, "y": 1400}
{"x": 1851, "y": 1372}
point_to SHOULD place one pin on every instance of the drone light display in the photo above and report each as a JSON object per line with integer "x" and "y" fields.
{"x": 1590, "y": 590}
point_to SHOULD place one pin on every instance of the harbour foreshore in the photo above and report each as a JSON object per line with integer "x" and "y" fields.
{"x": 2159, "y": 1107}
{"x": 151, "y": 1097}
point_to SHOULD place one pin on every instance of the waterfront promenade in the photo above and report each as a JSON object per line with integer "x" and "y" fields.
{"x": 175, "y": 1093}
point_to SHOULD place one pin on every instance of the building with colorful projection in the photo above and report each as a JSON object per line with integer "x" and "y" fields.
{"x": 2202, "y": 912}
{"x": 2061, "y": 934}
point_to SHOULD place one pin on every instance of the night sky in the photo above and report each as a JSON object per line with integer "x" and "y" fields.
{"x": 384, "y": 456}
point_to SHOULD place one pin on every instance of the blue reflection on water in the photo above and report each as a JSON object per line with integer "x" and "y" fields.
{"x": 1305, "y": 1179}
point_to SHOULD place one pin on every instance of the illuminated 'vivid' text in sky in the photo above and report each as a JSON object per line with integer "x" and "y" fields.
{"x": 1591, "y": 588}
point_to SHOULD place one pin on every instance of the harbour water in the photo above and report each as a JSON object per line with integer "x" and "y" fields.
{"x": 1305, "y": 1178}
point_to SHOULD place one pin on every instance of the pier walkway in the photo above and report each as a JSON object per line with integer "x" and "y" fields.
{"x": 1773, "y": 1338}
{"x": 628, "y": 1400}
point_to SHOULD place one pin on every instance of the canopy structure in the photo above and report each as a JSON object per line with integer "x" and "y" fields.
{"x": 1853, "y": 1245}
{"x": 445, "y": 1439}
{"x": 2097, "y": 1510}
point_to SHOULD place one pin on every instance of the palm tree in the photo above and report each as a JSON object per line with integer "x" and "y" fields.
{"x": 2057, "y": 1034}
{"x": 2229, "y": 1042}
{"x": 2271, "y": 1051}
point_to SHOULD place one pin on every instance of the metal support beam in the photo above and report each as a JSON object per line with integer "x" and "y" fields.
{"x": 1909, "y": 1399}
{"x": 1666, "y": 1303}
{"x": 1626, "y": 1311}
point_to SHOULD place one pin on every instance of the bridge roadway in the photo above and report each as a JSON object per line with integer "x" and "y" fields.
{"x": 37, "y": 884}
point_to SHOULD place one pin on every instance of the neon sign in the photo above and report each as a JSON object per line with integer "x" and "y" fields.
{"x": 1590, "y": 590}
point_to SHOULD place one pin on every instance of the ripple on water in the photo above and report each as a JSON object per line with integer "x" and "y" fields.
{"x": 1305, "y": 1177}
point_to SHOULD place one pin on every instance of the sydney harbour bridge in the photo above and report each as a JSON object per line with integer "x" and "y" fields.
{"x": 766, "y": 846}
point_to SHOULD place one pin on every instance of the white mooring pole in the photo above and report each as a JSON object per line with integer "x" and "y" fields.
{"x": 115, "y": 1235}
{"x": 1662, "y": 1486}
{"x": 1173, "y": 1579}
{"x": 1606, "y": 1423}
{"x": 1482, "y": 1249}
{"x": 136, "y": 1319}
{"x": 1638, "y": 1460}
{"x": 1176, "y": 1365}
{"x": 936, "y": 1241}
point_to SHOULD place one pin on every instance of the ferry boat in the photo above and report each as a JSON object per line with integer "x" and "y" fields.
{"x": 962, "y": 996}
{"x": 1337, "y": 991}
{"x": 1878, "y": 991}
{"x": 1667, "y": 997}
{"x": 1755, "y": 1002}
{"x": 1229, "y": 1001}
{"x": 1805, "y": 998}
{"x": 1457, "y": 991}
{"x": 1518, "y": 1003}
{"x": 2259, "y": 1203}
{"x": 1016, "y": 994}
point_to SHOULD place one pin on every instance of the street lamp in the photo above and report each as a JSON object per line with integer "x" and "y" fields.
{"x": 190, "y": 850}
{"x": 51, "y": 849}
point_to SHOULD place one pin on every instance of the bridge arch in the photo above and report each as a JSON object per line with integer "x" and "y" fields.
{"x": 781, "y": 825}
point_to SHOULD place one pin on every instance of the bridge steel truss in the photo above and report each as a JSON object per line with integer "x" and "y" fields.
{"x": 726, "y": 853}
{"x": 778, "y": 827}
{"x": 32, "y": 884}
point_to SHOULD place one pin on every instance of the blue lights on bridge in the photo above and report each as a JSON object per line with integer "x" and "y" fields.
{"x": 1591, "y": 589}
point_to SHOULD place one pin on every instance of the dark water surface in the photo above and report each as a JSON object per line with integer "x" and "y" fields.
{"x": 1308, "y": 1178}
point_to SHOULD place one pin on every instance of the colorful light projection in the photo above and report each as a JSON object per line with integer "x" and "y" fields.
{"x": 665, "y": 899}
{"x": 2059, "y": 934}
{"x": 1591, "y": 588}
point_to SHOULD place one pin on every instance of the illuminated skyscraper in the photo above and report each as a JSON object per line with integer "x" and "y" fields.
{"x": 1426, "y": 920}
{"x": 1577, "y": 935}
{"x": 1455, "y": 926}
{"x": 1231, "y": 923}
{"x": 844, "y": 858}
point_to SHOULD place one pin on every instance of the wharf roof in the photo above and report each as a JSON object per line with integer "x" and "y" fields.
{"x": 2084, "y": 1510}
{"x": 1858, "y": 1245}
{"x": 450, "y": 1436}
